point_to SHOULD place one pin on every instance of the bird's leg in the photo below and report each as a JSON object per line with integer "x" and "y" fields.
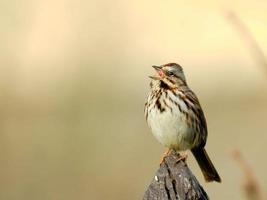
{"x": 166, "y": 153}
{"x": 183, "y": 156}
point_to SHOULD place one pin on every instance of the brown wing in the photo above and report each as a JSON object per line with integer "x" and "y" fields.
{"x": 199, "y": 117}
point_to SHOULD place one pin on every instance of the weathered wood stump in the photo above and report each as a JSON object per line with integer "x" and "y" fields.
{"x": 174, "y": 181}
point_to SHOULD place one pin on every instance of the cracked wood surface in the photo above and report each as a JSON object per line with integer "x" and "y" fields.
{"x": 174, "y": 181}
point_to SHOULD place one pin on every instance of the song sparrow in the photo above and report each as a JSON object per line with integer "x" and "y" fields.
{"x": 175, "y": 117}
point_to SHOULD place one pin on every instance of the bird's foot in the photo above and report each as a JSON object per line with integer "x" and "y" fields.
{"x": 166, "y": 153}
{"x": 183, "y": 156}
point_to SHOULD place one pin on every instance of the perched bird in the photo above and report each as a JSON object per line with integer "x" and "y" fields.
{"x": 175, "y": 116}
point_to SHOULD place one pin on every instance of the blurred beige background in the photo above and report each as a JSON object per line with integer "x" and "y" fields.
{"x": 74, "y": 79}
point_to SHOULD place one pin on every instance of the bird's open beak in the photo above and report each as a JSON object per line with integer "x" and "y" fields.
{"x": 160, "y": 74}
{"x": 157, "y": 68}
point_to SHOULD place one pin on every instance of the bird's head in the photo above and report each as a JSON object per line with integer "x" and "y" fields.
{"x": 171, "y": 74}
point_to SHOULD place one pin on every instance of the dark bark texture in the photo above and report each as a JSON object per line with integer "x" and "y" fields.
{"x": 174, "y": 181}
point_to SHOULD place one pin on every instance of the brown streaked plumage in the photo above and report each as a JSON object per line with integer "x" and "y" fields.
{"x": 175, "y": 116}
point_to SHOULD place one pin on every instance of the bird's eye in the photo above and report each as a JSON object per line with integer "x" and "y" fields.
{"x": 170, "y": 73}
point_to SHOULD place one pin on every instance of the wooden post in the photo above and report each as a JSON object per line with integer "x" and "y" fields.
{"x": 174, "y": 181}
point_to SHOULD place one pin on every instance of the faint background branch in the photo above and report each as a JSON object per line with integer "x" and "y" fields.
{"x": 250, "y": 185}
{"x": 248, "y": 38}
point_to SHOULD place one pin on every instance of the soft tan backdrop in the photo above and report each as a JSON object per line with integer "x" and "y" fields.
{"x": 74, "y": 78}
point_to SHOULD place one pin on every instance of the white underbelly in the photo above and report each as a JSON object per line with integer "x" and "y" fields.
{"x": 171, "y": 129}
